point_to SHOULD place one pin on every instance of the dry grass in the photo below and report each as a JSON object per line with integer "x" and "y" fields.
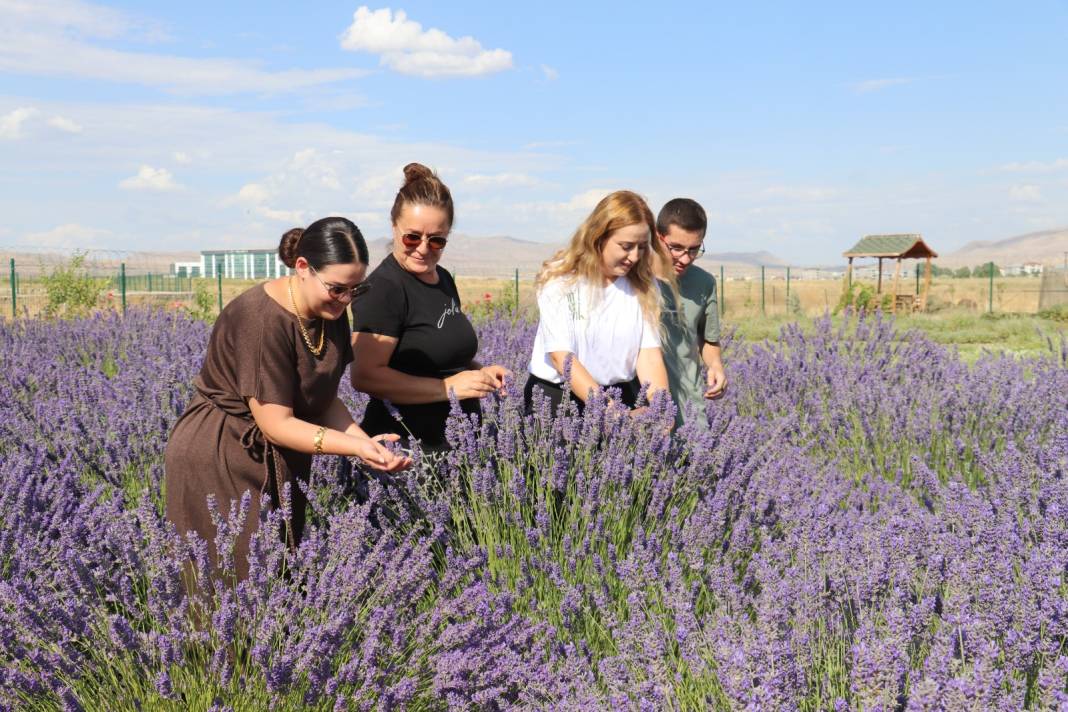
{"x": 1018, "y": 295}
{"x": 742, "y": 297}
{"x": 958, "y": 314}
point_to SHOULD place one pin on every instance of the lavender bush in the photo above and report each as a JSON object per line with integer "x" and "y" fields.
{"x": 862, "y": 523}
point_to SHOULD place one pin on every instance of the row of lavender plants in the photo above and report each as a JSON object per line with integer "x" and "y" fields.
{"x": 864, "y": 522}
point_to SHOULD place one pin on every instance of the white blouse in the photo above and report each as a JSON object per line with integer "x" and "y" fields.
{"x": 602, "y": 325}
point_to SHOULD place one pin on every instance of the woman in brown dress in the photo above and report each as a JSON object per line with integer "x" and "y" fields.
{"x": 267, "y": 395}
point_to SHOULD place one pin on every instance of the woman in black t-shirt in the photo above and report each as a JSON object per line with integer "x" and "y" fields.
{"x": 412, "y": 344}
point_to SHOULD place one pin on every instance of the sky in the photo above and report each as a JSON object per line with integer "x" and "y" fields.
{"x": 799, "y": 127}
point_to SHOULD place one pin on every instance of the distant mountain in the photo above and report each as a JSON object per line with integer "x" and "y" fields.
{"x": 470, "y": 256}
{"x": 33, "y": 261}
{"x": 753, "y": 259}
{"x": 1047, "y": 247}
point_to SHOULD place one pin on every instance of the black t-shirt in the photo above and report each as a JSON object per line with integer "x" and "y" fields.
{"x": 434, "y": 340}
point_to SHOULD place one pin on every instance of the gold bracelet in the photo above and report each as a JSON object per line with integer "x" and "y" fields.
{"x": 319, "y": 434}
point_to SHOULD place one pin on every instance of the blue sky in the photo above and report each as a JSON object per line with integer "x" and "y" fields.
{"x": 800, "y": 127}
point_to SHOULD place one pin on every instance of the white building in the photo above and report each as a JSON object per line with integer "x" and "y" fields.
{"x": 187, "y": 269}
{"x": 1027, "y": 268}
{"x": 242, "y": 264}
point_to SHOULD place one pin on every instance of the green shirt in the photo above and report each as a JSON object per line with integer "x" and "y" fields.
{"x": 686, "y": 330}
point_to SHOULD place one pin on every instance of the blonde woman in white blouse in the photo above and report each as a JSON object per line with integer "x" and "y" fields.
{"x": 600, "y": 307}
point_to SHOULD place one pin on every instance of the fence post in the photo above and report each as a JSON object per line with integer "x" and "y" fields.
{"x": 516, "y": 308}
{"x": 788, "y": 287}
{"x": 14, "y": 290}
{"x": 122, "y": 285}
{"x": 990, "y": 303}
{"x": 763, "y": 302}
{"x": 218, "y": 280}
{"x": 722, "y": 293}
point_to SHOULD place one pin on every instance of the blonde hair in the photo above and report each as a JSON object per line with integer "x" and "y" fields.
{"x": 581, "y": 259}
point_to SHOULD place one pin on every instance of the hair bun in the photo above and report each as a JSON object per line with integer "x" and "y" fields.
{"x": 416, "y": 171}
{"x": 287, "y": 248}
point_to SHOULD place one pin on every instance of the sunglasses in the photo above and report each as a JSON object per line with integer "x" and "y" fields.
{"x": 337, "y": 292}
{"x": 412, "y": 240}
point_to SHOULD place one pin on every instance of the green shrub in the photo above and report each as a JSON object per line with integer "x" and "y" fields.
{"x": 204, "y": 301}
{"x": 71, "y": 291}
{"x": 793, "y": 304}
{"x": 1056, "y": 313}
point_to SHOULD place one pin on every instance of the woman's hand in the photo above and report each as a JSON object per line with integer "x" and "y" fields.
{"x": 499, "y": 374}
{"x": 475, "y": 383}
{"x": 373, "y": 453}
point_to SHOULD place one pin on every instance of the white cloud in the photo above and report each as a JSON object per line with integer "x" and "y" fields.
{"x": 67, "y": 236}
{"x": 550, "y": 74}
{"x": 315, "y": 169}
{"x": 290, "y": 217}
{"x": 870, "y": 85}
{"x": 251, "y": 193}
{"x": 577, "y": 206}
{"x": 345, "y": 172}
{"x": 11, "y": 123}
{"x": 1025, "y": 194}
{"x": 404, "y": 46}
{"x": 62, "y": 38}
{"x": 64, "y": 124}
{"x": 182, "y": 157}
{"x": 1058, "y": 164}
{"x": 255, "y": 196}
{"x": 586, "y": 200}
{"x": 68, "y": 15}
{"x": 149, "y": 178}
{"x": 500, "y": 180}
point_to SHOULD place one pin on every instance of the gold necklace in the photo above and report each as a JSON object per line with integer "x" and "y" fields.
{"x": 300, "y": 322}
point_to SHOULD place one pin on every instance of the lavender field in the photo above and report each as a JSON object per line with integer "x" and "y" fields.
{"x": 864, "y": 523}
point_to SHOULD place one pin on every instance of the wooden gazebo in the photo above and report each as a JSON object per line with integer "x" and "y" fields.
{"x": 895, "y": 247}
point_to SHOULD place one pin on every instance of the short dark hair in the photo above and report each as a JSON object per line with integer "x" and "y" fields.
{"x": 328, "y": 241}
{"x": 686, "y": 213}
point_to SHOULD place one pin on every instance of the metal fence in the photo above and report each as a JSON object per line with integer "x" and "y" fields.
{"x": 758, "y": 291}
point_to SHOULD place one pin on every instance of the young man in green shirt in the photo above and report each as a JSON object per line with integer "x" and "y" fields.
{"x": 690, "y": 340}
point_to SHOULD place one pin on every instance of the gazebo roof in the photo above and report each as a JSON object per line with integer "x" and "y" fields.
{"x": 903, "y": 246}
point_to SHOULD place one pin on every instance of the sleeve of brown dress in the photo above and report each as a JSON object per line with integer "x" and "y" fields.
{"x": 268, "y": 372}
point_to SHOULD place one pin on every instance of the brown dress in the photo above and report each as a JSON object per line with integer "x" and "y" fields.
{"x": 256, "y": 351}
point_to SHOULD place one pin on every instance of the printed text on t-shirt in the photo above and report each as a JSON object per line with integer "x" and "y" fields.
{"x": 453, "y": 308}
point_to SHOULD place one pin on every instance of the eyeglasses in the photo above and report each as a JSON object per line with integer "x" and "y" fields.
{"x": 337, "y": 292}
{"x": 680, "y": 250}
{"x": 412, "y": 240}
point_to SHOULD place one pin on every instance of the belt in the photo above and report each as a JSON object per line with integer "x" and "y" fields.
{"x": 256, "y": 444}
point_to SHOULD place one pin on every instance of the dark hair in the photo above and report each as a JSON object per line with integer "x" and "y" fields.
{"x": 329, "y": 241}
{"x": 421, "y": 187}
{"x": 683, "y": 212}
